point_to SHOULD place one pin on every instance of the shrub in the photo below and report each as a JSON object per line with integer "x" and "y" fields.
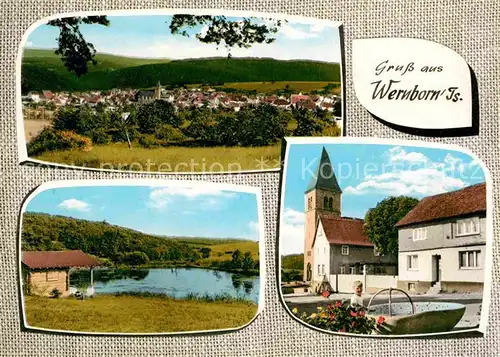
{"x": 147, "y": 141}
{"x": 168, "y": 133}
{"x": 55, "y": 293}
{"x": 286, "y": 290}
{"x": 50, "y": 140}
{"x": 100, "y": 137}
{"x": 341, "y": 317}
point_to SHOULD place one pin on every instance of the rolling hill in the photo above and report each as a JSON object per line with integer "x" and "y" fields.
{"x": 42, "y": 232}
{"x": 42, "y": 69}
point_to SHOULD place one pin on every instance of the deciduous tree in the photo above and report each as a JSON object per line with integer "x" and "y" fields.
{"x": 380, "y": 221}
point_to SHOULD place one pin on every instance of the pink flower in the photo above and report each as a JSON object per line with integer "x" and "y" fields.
{"x": 342, "y": 330}
{"x": 338, "y": 304}
{"x": 380, "y": 320}
{"x": 332, "y": 316}
{"x": 326, "y": 293}
{"x": 353, "y": 314}
{"x": 362, "y": 313}
{"x": 353, "y": 324}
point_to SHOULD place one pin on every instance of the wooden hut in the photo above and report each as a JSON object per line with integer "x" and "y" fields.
{"x": 49, "y": 270}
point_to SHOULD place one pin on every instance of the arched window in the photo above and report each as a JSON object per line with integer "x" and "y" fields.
{"x": 309, "y": 203}
{"x": 330, "y": 203}
{"x": 325, "y": 202}
{"x": 309, "y": 272}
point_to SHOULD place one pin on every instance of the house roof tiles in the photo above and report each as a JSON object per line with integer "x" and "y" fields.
{"x": 469, "y": 200}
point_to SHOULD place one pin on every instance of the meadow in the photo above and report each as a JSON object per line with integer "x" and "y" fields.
{"x": 137, "y": 314}
{"x": 294, "y": 86}
{"x": 117, "y": 156}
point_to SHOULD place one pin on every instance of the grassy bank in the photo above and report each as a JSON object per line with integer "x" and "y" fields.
{"x": 171, "y": 159}
{"x": 137, "y": 314}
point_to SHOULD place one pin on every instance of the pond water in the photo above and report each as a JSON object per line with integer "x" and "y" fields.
{"x": 176, "y": 282}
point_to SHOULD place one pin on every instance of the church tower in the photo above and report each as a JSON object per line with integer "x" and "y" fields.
{"x": 158, "y": 91}
{"x": 322, "y": 199}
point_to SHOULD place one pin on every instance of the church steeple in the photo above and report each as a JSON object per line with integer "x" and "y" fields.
{"x": 158, "y": 91}
{"x": 324, "y": 176}
{"x": 322, "y": 199}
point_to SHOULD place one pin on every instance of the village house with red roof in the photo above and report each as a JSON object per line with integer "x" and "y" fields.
{"x": 335, "y": 245}
{"x": 442, "y": 242}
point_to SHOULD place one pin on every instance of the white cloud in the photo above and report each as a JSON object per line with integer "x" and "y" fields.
{"x": 28, "y": 44}
{"x": 293, "y": 33}
{"x": 292, "y": 232}
{"x": 317, "y": 28}
{"x": 74, "y": 204}
{"x": 398, "y": 154}
{"x": 420, "y": 182}
{"x": 210, "y": 196}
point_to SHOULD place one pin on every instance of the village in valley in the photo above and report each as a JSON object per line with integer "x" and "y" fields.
{"x": 197, "y": 96}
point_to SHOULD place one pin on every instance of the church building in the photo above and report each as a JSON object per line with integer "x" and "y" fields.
{"x": 334, "y": 244}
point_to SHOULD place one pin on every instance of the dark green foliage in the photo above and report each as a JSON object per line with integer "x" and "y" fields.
{"x": 291, "y": 275}
{"x": 135, "y": 258}
{"x": 205, "y": 252}
{"x": 307, "y": 123}
{"x": 236, "y": 259}
{"x": 380, "y": 221}
{"x": 169, "y": 133}
{"x": 147, "y": 141}
{"x": 50, "y": 139}
{"x": 45, "y": 232}
{"x": 292, "y": 261}
{"x": 74, "y": 50}
{"x": 231, "y": 33}
{"x": 151, "y": 115}
{"x": 40, "y": 73}
{"x": 247, "y": 262}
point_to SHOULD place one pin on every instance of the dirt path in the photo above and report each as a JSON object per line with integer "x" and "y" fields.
{"x": 33, "y": 127}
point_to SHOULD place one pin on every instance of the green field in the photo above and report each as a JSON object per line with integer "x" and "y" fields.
{"x": 295, "y": 86}
{"x": 104, "y": 61}
{"x": 223, "y": 248}
{"x": 41, "y": 69}
{"x": 136, "y": 314}
{"x": 117, "y": 156}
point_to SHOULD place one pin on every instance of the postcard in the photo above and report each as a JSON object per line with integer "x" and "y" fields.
{"x": 124, "y": 257}
{"x": 167, "y": 92}
{"x": 385, "y": 238}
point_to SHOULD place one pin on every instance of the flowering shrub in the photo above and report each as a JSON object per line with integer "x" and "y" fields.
{"x": 51, "y": 140}
{"x": 341, "y": 317}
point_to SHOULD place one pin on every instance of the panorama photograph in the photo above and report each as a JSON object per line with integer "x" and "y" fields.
{"x": 384, "y": 239}
{"x": 176, "y": 93}
{"x": 122, "y": 258}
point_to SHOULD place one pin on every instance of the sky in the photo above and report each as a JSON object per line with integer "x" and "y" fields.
{"x": 367, "y": 174}
{"x": 199, "y": 211}
{"x": 148, "y": 36}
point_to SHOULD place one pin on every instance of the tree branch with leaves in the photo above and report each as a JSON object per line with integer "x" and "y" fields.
{"x": 76, "y": 52}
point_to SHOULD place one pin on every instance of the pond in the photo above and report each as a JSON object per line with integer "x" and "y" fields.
{"x": 175, "y": 282}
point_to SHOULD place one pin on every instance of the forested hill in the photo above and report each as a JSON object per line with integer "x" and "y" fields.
{"x": 118, "y": 244}
{"x": 41, "y": 69}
